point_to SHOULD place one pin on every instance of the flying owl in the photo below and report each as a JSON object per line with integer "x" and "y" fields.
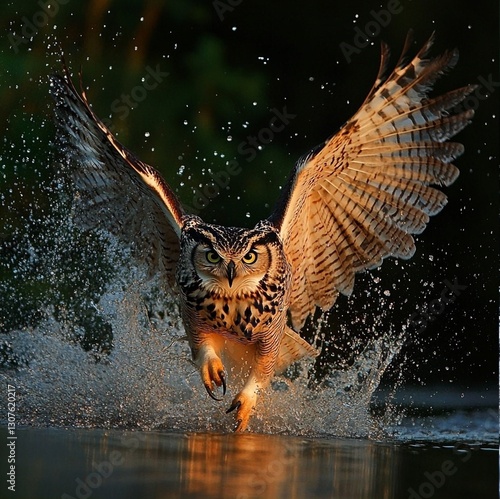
{"x": 349, "y": 203}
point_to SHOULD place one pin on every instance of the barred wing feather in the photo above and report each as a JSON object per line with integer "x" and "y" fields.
{"x": 115, "y": 190}
{"x": 360, "y": 196}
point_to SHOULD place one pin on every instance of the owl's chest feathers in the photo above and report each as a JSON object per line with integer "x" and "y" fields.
{"x": 244, "y": 316}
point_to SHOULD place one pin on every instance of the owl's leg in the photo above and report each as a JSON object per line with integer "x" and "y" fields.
{"x": 259, "y": 378}
{"x": 211, "y": 368}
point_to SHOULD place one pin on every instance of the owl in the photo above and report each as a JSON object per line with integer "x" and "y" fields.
{"x": 245, "y": 293}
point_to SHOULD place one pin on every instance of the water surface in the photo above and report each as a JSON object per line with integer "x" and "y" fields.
{"x": 94, "y": 463}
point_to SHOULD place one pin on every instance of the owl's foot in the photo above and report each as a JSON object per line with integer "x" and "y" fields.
{"x": 244, "y": 405}
{"x": 212, "y": 372}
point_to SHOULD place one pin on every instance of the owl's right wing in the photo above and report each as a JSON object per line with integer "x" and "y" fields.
{"x": 360, "y": 196}
{"x": 115, "y": 190}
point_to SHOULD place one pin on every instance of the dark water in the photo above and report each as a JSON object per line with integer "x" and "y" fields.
{"x": 92, "y": 463}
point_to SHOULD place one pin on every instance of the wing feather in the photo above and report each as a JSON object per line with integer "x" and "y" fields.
{"x": 115, "y": 190}
{"x": 359, "y": 197}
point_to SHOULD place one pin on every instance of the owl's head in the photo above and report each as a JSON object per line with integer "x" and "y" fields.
{"x": 231, "y": 260}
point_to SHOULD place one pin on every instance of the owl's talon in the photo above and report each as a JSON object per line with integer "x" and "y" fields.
{"x": 222, "y": 377}
{"x": 235, "y": 405}
{"x": 211, "y": 393}
{"x": 213, "y": 375}
{"x": 243, "y": 404}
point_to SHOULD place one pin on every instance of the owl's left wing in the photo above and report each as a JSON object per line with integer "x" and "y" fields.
{"x": 116, "y": 190}
{"x": 357, "y": 198}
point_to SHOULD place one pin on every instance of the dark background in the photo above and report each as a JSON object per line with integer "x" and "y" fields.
{"x": 229, "y": 64}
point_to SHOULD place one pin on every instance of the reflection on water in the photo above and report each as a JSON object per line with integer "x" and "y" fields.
{"x": 111, "y": 463}
{"x": 253, "y": 465}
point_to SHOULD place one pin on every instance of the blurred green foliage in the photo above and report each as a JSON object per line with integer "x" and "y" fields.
{"x": 227, "y": 70}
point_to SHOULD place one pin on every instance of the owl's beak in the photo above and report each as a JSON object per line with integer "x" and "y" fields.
{"x": 231, "y": 272}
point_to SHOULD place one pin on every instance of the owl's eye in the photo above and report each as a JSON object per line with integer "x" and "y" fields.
{"x": 212, "y": 257}
{"x": 250, "y": 257}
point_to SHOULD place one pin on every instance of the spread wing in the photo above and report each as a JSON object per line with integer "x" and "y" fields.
{"x": 116, "y": 191}
{"x": 360, "y": 196}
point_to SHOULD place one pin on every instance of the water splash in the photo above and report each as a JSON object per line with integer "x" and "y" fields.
{"x": 148, "y": 381}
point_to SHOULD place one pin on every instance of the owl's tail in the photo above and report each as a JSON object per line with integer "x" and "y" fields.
{"x": 292, "y": 349}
